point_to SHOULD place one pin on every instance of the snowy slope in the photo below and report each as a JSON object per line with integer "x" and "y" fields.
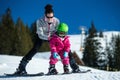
{"x": 8, "y": 64}
{"x": 76, "y": 41}
{"x": 40, "y": 63}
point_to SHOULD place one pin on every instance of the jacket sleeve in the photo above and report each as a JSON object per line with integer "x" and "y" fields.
{"x": 67, "y": 45}
{"x": 52, "y": 45}
{"x": 40, "y": 32}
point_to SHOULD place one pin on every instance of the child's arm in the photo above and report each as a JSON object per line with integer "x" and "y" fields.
{"x": 66, "y": 48}
{"x": 52, "y": 45}
{"x": 53, "y": 48}
{"x": 67, "y": 45}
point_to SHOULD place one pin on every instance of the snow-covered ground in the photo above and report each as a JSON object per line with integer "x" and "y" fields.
{"x": 40, "y": 63}
{"x": 8, "y": 64}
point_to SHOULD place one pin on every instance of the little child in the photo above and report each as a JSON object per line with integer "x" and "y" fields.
{"x": 59, "y": 45}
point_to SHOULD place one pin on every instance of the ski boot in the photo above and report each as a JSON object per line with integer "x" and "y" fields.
{"x": 75, "y": 67}
{"x": 73, "y": 64}
{"x": 20, "y": 72}
{"x": 76, "y": 70}
{"x": 66, "y": 69}
{"x": 21, "y": 69}
{"x": 52, "y": 70}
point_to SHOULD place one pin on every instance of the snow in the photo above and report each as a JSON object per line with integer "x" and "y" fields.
{"x": 40, "y": 63}
{"x": 8, "y": 64}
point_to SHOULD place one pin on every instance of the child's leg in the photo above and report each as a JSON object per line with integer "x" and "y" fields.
{"x": 52, "y": 62}
{"x": 65, "y": 61}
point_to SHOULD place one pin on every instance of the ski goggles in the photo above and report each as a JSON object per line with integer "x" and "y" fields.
{"x": 62, "y": 34}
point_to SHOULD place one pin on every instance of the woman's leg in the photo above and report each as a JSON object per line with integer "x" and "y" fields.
{"x": 22, "y": 66}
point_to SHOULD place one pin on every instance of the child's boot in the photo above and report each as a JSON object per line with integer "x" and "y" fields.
{"x": 52, "y": 70}
{"x": 66, "y": 69}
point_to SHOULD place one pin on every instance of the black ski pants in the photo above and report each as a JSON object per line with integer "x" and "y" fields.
{"x": 34, "y": 50}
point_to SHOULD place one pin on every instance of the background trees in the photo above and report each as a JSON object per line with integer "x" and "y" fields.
{"x": 17, "y": 38}
{"x": 97, "y": 56}
{"x": 91, "y": 47}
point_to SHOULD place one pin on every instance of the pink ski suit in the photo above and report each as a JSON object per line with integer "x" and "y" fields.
{"x": 60, "y": 46}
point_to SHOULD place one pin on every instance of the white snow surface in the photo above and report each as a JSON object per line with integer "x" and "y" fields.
{"x": 40, "y": 63}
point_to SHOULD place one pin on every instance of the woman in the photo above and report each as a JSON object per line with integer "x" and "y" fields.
{"x": 46, "y": 26}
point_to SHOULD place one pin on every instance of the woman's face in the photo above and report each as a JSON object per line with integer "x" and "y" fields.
{"x": 49, "y": 17}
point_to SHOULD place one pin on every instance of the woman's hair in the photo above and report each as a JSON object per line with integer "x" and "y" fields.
{"x": 48, "y": 9}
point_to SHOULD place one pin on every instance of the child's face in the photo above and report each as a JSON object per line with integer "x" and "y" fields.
{"x": 62, "y": 34}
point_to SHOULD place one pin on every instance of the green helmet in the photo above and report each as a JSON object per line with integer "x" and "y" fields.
{"x": 62, "y": 27}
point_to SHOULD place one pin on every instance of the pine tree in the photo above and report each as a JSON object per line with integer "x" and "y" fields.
{"x": 101, "y": 34}
{"x": 23, "y": 40}
{"x": 92, "y": 31}
{"x": 17, "y": 43}
{"x": 110, "y": 49}
{"x": 7, "y": 33}
{"x": 91, "y": 47}
{"x": 117, "y": 52}
{"x": 33, "y": 32}
{"x": 114, "y": 53}
{"x": 15, "y": 39}
{"x": 91, "y": 51}
{"x": 29, "y": 38}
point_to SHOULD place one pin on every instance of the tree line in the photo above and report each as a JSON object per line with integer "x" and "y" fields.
{"x": 17, "y": 38}
{"x": 93, "y": 57}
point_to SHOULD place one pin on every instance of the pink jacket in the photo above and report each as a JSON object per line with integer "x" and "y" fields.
{"x": 58, "y": 45}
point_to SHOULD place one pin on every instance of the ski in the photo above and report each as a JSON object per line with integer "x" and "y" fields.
{"x": 85, "y": 71}
{"x": 37, "y": 74}
{"x": 42, "y": 74}
{"x": 58, "y": 74}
